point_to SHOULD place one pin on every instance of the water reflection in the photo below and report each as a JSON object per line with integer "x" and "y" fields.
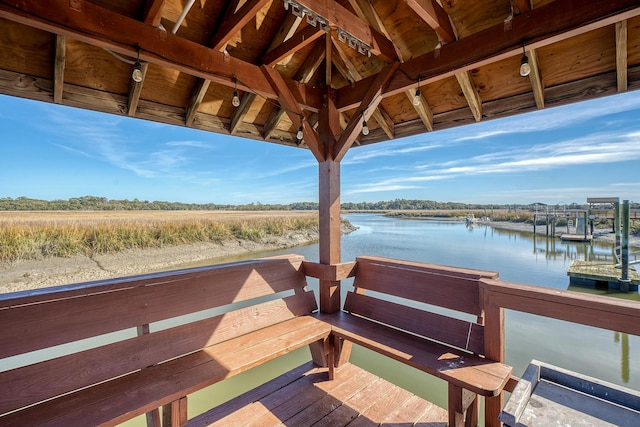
{"x": 624, "y": 359}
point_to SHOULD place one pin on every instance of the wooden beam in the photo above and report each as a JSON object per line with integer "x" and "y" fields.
{"x": 304, "y": 75}
{"x": 369, "y": 103}
{"x": 199, "y": 91}
{"x": 621, "y": 55}
{"x": 423, "y": 109}
{"x": 543, "y": 26}
{"x": 471, "y": 94}
{"x": 58, "y": 69}
{"x": 289, "y": 104}
{"x": 339, "y": 16}
{"x": 104, "y": 28}
{"x": 232, "y": 25}
{"x": 298, "y": 41}
{"x": 435, "y": 17}
{"x": 135, "y": 89}
{"x": 380, "y": 116}
{"x": 152, "y": 13}
{"x": 537, "y": 84}
{"x": 241, "y": 111}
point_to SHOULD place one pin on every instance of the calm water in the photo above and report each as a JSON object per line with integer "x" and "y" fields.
{"x": 517, "y": 257}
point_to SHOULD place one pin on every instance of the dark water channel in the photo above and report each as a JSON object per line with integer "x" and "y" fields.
{"x": 517, "y": 257}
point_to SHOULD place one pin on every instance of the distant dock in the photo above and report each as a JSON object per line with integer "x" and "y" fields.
{"x": 576, "y": 237}
{"x": 597, "y": 274}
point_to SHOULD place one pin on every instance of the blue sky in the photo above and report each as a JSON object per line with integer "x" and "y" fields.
{"x": 556, "y": 155}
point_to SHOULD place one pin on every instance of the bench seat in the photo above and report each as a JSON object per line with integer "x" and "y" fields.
{"x": 142, "y": 391}
{"x": 466, "y": 370}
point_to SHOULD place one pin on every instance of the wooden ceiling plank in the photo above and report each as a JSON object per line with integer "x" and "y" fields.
{"x": 241, "y": 111}
{"x": 58, "y": 69}
{"x": 199, "y": 91}
{"x": 537, "y": 84}
{"x": 621, "y": 55}
{"x": 543, "y": 26}
{"x": 152, "y": 13}
{"x": 103, "y": 28}
{"x": 232, "y": 25}
{"x": 470, "y": 93}
{"x": 435, "y": 17}
{"x": 423, "y": 109}
{"x": 369, "y": 103}
{"x": 304, "y": 74}
{"x": 351, "y": 73}
{"x": 298, "y": 41}
{"x": 290, "y": 105}
{"x": 364, "y": 9}
{"x": 135, "y": 90}
{"x": 341, "y": 17}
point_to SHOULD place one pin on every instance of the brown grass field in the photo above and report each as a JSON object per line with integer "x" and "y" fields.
{"x": 33, "y": 235}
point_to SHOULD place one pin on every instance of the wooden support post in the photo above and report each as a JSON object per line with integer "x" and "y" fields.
{"x": 329, "y": 181}
{"x": 494, "y": 350}
{"x": 463, "y": 407}
{"x": 174, "y": 414}
{"x": 624, "y": 248}
{"x": 153, "y": 416}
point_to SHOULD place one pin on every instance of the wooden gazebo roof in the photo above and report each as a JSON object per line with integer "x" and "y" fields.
{"x": 289, "y": 58}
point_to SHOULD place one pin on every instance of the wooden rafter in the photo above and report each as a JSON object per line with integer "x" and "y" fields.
{"x": 299, "y": 40}
{"x": 537, "y": 84}
{"x": 621, "y": 55}
{"x": 103, "y": 28}
{"x": 380, "y": 116}
{"x": 152, "y": 13}
{"x": 135, "y": 90}
{"x": 197, "y": 95}
{"x": 341, "y": 17}
{"x": 423, "y": 109}
{"x": 289, "y": 103}
{"x": 369, "y": 103}
{"x": 541, "y": 27}
{"x": 231, "y": 25}
{"x": 470, "y": 93}
{"x": 364, "y": 9}
{"x": 435, "y": 16}
{"x": 304, "y": 74}
{"x": 58, "y": 69}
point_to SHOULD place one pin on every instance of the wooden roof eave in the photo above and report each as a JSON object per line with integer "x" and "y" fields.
{"x": 121, "y": 34}
{"x": 562, "y": 19}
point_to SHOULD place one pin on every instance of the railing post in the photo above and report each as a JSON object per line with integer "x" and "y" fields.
{"x": 493, "y": 349}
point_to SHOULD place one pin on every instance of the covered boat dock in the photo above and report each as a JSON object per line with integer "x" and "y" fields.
{"x": 326, "y": 76}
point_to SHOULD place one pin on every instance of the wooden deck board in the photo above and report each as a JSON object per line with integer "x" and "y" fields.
{"x": 307, "y": 398}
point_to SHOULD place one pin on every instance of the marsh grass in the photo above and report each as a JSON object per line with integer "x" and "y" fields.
{"x": 45, "y": 235}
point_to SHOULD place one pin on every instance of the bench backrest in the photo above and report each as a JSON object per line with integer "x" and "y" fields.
{"x": 245, "y": 296}
{"x": 411, "y": 290}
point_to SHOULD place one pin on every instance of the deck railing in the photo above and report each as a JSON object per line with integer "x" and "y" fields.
{"x": 260, "y": 278}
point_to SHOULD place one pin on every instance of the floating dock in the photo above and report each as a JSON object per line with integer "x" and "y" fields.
{"x": 576, "y": 238}
{"x": 597, "y": 274}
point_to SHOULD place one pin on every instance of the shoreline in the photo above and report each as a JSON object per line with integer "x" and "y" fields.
{"x": 54, "y": 271}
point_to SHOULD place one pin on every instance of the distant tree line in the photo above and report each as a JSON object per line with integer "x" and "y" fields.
{"x": 102, "y": 203}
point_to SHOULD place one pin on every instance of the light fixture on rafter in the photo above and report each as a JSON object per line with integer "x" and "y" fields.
{"x": 365, "y": 128}
{"x": 300, "y": 133}
{"x": 417, "y": 96}
{"x": 525, "y": 68}
{"x": 136, "y": 75}
{"x": 235, "y": 101}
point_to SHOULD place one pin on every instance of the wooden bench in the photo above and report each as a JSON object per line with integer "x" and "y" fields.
{"x": 260, "y": 311}
{"x": 404, "y": 327}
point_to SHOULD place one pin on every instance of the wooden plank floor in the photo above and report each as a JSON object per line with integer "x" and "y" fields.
{"x": 305, "y": 397}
